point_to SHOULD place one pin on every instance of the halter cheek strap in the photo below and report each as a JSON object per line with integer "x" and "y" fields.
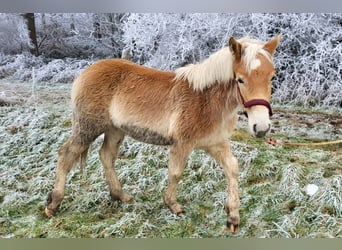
{"x": 254, "y": 102}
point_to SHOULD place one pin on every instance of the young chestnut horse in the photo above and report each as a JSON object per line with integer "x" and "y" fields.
{"x": 194, "y": 107}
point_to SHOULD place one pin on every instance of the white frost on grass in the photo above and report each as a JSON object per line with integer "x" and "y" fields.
{"x": 332, "y": 194}
{"x": 289, "y": 184}
{"x": 268, "y": 182}
{"x": 311, "y": 189}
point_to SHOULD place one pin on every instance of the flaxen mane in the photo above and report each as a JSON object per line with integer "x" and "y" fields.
{"x": 217, "y": 68}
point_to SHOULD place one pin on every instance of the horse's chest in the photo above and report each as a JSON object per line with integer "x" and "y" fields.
{"x": 220, "y": 133}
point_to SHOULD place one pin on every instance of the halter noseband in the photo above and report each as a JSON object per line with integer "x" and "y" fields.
{"x": 254, "y": 102}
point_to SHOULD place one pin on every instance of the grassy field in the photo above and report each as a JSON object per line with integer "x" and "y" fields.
{"x": 35, "y": 121}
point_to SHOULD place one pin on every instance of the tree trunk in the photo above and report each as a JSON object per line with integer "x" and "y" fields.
{"x": 31, "y": 27}
{"x": 43, "y": 20}
{"x": 116, "y": 34}
{"x": 72, "y": 24}
{"x": 97, "y": 27}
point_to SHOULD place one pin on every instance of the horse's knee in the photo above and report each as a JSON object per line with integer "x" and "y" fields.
{"x": 72, "y": 147}
{"x": 177, "y": 161}
{"x": 175, "y": 174}
{"x": 233, "y": 168}
{"x": 64, "y": 148}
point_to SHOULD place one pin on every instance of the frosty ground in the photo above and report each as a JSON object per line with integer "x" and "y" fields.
{"x": 35, "y": 121}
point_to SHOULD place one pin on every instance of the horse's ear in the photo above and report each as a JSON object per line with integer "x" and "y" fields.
{"x": 235, "y": 48}
{"x": 271, "y": 45}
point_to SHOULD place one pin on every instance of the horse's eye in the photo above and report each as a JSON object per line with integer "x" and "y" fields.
{"x": 240, "y": 80}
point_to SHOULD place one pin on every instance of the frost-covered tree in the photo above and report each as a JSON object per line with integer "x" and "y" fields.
{"x": 308, "y": 60}
{"x": 65, "y": 35}
{"x": 14, "y": 37}
{"x": 31, "y": 29}
{"x": 62, "y": 35}
{"x": 108, "y": 31}
{"x": 170, "y": 40}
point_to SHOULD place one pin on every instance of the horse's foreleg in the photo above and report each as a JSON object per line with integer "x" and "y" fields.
{"x": 177, "y": 160}
{"x": 223, "y": 155}
{"x": 112, "y": 140}
{"x": 68, "y": 154}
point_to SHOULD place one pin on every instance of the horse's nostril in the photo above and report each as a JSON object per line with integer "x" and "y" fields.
{"x": 260, "y": 132}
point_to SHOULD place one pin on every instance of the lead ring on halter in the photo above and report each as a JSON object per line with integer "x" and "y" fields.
{"x": 254, "y": 102}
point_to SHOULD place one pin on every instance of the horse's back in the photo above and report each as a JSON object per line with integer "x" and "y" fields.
{"x": 105, "y": 76}
{"x": 98, "y": 79}
{"x": 124, "y": 94}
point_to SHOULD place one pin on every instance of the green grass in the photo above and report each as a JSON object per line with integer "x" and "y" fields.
{"x": 272, "y": 181}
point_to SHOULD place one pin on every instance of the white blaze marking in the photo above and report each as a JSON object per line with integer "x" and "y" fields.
{"x": 255, "y": 63}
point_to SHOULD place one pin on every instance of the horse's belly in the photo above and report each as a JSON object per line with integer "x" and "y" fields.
{"x": 147, "y": 135}
{"x": 152, "y": 127}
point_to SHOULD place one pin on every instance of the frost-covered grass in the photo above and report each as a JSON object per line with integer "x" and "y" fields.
{"x": 273, "y": 180}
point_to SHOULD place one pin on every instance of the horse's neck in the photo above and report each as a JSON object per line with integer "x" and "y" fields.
{"x": 223, "y": 97}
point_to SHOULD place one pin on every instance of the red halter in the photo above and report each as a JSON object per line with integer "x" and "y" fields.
{"x": 254, "y": 102}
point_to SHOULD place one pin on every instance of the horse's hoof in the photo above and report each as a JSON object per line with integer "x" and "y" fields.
{"x": 181, "y": 214}
{"x": 49, "y": 213}
{"x": 234, "y": 228}
{"x": 124, "y": 197}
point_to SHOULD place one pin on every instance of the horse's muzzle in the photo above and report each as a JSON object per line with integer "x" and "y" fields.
{"x": 260, "y": 132}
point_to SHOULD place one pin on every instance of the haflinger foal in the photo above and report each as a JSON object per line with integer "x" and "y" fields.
{"x": 194, "y": 107}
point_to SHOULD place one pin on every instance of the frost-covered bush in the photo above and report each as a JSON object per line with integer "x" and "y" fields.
{"x": 80, "y": 35}
{"x": 167, "y": 41}
{"x": 25, "y": 67}
{"x": 308, "y": 60}
{"x": 61, "y": 35}
{"x": 13, "y": 34}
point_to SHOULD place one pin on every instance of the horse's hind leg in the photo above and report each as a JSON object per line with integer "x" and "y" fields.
{"x": 223, "y": 155}
{"x": 68, "y": 154}
{"x": 112, "y": 140}
{"x": 178, "y": 157}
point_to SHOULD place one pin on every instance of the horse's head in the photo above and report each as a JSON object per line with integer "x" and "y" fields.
{"x": 253, "y": 70}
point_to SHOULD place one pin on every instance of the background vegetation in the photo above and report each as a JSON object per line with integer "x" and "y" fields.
{"x": 277, "y": 199}
{"x": 308, "y": 60}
